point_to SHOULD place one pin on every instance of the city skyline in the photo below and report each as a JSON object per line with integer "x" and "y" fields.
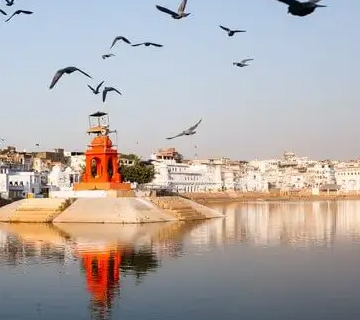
{"x": 256, "y": 112}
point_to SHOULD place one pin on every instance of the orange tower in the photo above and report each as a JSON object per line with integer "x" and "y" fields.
{"x": 101, "y": 171}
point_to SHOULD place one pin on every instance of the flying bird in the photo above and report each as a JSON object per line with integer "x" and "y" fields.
{"x": 2, "y": 139}
{"x": 231, "y": 32}
{"x": 118, "y": 39}
{"x": 242, "y": 63}
{"x": 3, "y": 12}
{"x": 146, "y": 44}
{"x": 18, "y": 12}
{"x": 301, "y": 9}
{"x": 108, "y": 55}
{"x": 9, "y": 3}
{"x": 187, "y": 132}
{"x": 176, "y": 15}
{"x": 97, "y": 90}
{"x": 108, "y": 89}
{"x": 67, "y": 70}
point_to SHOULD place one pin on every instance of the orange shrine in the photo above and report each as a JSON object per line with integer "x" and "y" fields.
{"x": 101, "y": 171}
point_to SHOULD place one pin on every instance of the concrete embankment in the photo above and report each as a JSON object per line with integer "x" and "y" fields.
{"x": 106, "y": 210}
{"x": 227, "y": 197}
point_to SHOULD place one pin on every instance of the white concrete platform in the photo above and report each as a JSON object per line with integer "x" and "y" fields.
{"x": 113, "y": 210}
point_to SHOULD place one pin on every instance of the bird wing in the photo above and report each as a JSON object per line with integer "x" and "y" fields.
{"x": 91, "y": 88}
{"x": 84, "y": 73}
{"x": 166, "y": 10}
{"x": 24, "y": 11}
{"x": 116, "y": 90}
{"x": 56, "y": 78}
{"x": 138, "y": 44}
{"x": 235, "y": 31}
{"x": 156, "y": 44}
{"x": 195, "y": 125}
{"x": 3, "y": 12}
{"x": 224, "y": 28}
{"x": 105, "y": 91}
{"x": 178, "y": 135}
{"x": 182, "y": 7}
{"x": 10, "y": 17}
{"x": 289, "y": 2}
{"x": 99, "y": 86}
{"x": 114, "y": 41}
{"x": 246, "y": 60}
{"x": 125, "y": 40}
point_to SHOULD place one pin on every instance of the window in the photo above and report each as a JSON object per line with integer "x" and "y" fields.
{"x": 21, "y": 184}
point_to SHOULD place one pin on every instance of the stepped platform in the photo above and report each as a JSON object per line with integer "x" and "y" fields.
{"x": 33, "y": 210}
{"x": 124, "y": 210}
{"x": 183, "y": 209}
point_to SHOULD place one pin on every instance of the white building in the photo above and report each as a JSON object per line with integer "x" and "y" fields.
{"x": 17, "y": 183}
{"x": 347, "y": 176}
{"x": 182, "y": 177}
{"x": 63, "y": 178}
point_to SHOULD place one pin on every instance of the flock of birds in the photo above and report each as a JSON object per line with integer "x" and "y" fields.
{"x": 295, "y": 8}
{"x": 10, "y": 3}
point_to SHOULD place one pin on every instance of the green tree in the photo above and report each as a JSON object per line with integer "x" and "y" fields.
{"x": 139, "y": 171}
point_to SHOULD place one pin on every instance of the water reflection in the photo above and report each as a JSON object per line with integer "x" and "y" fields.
{"x": 274, "y": 223}
{"x": 110, "y": 258}
{"x": 105, "y": 252}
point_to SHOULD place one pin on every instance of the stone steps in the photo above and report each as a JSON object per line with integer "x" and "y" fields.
{"x": 39, "y": 210}
{"x": 178, "y": 208}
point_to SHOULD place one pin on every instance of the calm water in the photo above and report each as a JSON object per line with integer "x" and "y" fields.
{"x": 263, "y": 261}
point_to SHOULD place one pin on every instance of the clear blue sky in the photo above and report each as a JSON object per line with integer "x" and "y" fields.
{"x": 300, "y": 93}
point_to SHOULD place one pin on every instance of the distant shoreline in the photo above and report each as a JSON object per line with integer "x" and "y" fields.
{"x": 231, "y": 197}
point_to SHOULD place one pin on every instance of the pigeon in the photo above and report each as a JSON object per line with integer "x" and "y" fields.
{"x": 301, "y": 9}
{"x": 176, "y": 15}
{"x": 96, "y": 91}
{"x": 3, "y": 12}
{"x": 67, "y": 70}
{"x": 242, "y": 63}
{"x": 9, "y": 3}
{"x": 18, "y": 12}
{"x": 108, "y": 89}
{"x": 108, "y": 55}
{"x": 187, "y": 132}
{"x": 146, "y": 44}
{"x": 119, "y": 38}
{"x": 231, "y": 32}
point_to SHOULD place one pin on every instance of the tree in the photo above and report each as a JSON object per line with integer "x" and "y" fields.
{"x": 139, "y": 172}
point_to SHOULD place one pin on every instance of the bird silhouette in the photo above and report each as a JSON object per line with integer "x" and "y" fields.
{"x": 108, "y": 89}
{"x": 187, "y": 132}
{"x": 176, "y": 15}
{"x": 9, "y": 3}
{"x": 3, "y": 12}
{"x": 108, "y": 55}
{"x": 242, "y": 63}
{"x": 301, "y": 9}
{"x": 67, "y": 70}
{"x": 97, "y": 90}
{"x": 119, "y": 38}
{"x": 19, "y": 12}
{"x": 2, "y": 139}
{"x": 231, "y": 32}
{"x": 146, "y": 44}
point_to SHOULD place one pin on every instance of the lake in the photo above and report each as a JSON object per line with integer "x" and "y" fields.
{"x": 263, "y": 261}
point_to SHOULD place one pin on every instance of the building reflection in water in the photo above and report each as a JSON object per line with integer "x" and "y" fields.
{"x": 104, "y": 262}
{"x": 101, "y": 264}
{"x": 273, "y": 223}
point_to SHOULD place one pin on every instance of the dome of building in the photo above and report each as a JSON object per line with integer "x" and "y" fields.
{"x": 103, "y": 141}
